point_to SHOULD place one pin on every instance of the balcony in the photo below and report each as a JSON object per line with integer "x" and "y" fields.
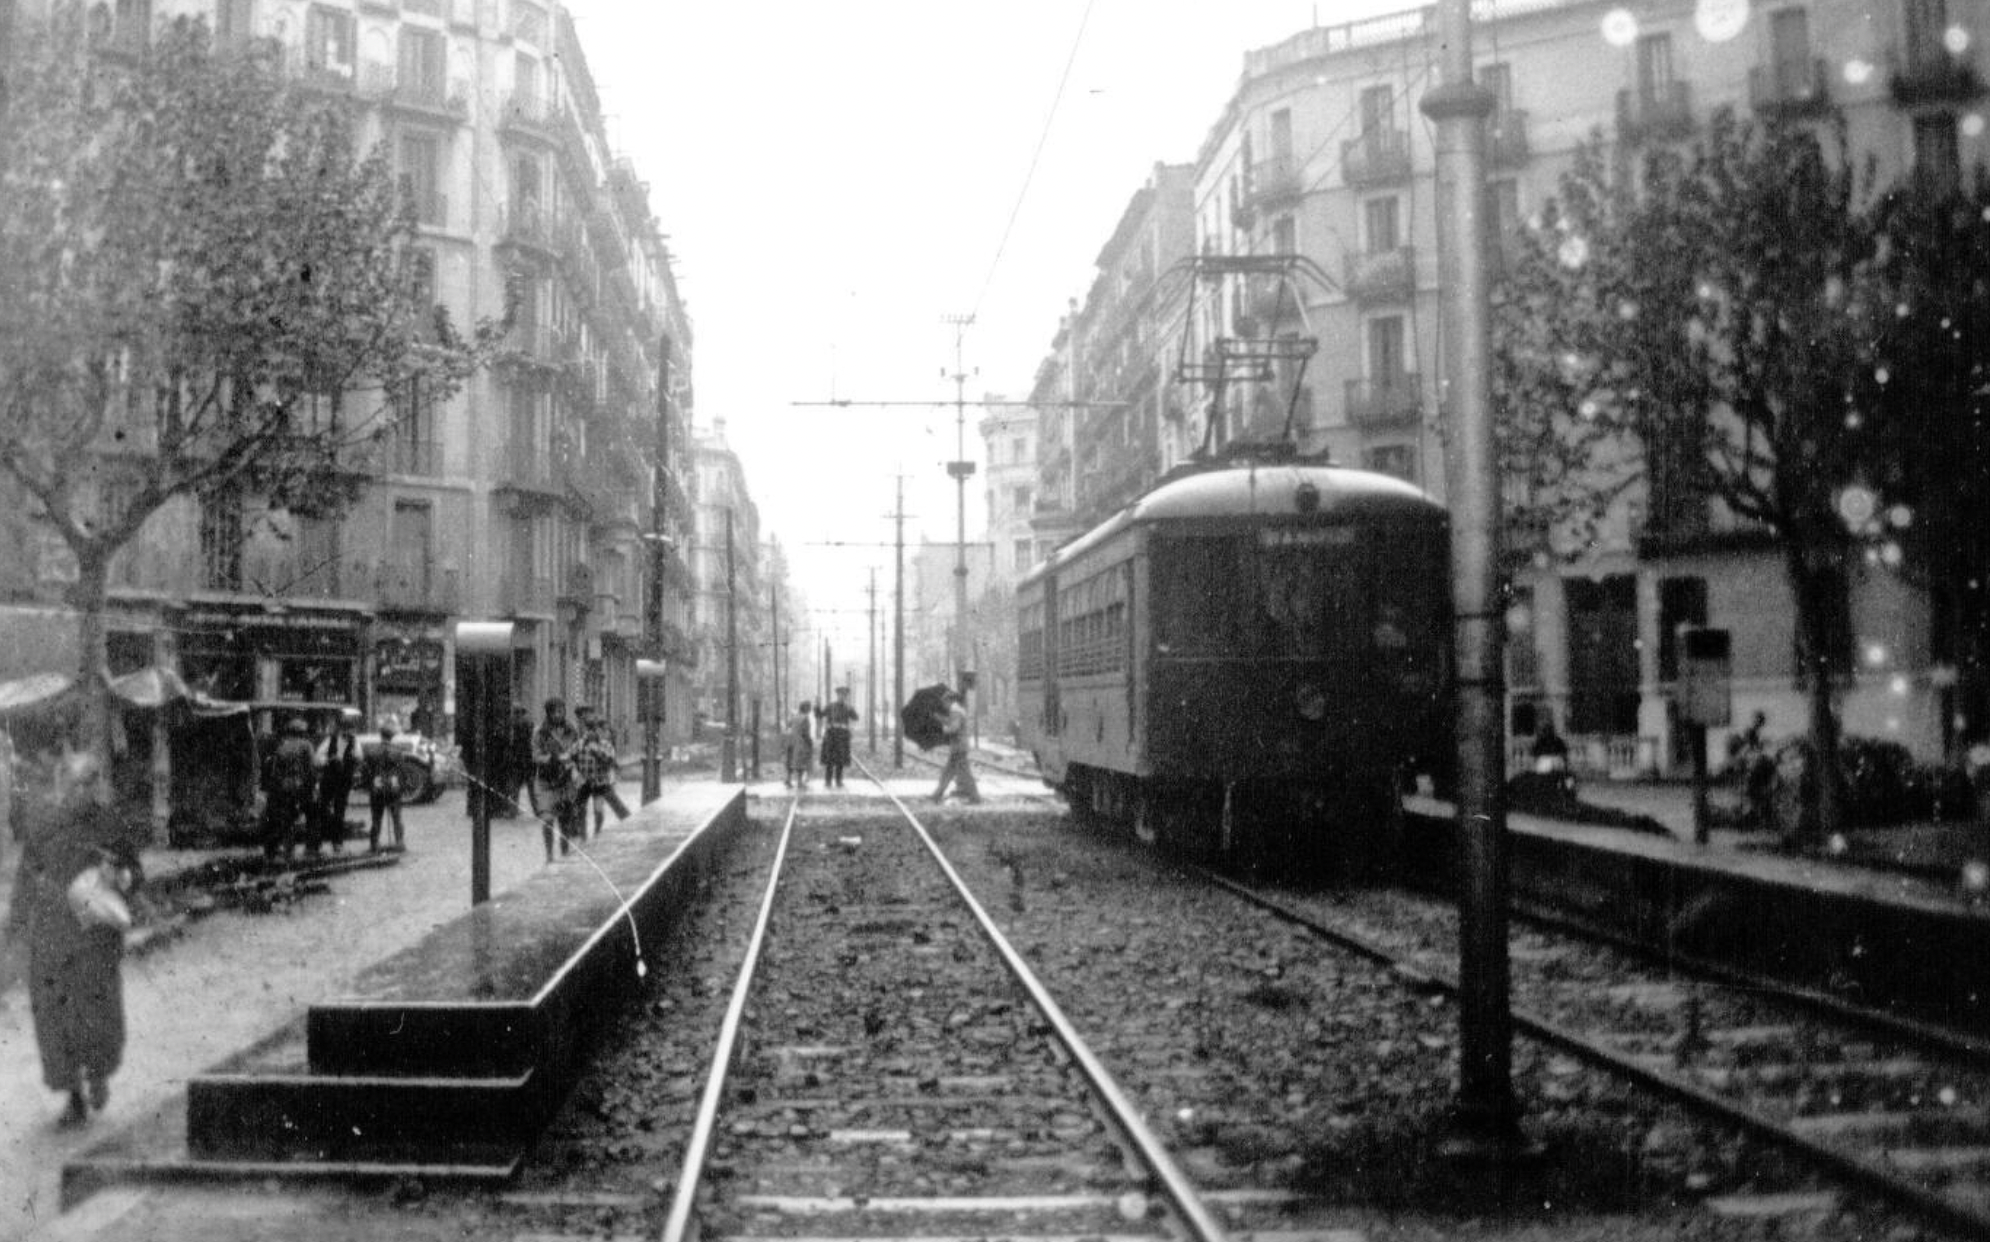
{"x": 525, "y": 594}
{"x": 429, "y": 206}
{"x": 1506, "y": 138}
{"x": 333, "y": 77}
{"x": 292, "y": 575}
{"x": 525, "y": 225}
{"x": 416, "y": 586}
{"x": 533, "y": 343}
{"x": 1387, "y": 401}
{"x": 1793, "y": 89}
{"x": 528, "y": 477}
{"x": 1378, "y": 158}
{"x": 1663, "y": 114}
{"x": 1382, "y": 276}
{"x": 529, "y": 116}
{"x": 1274, "y": 182}
{"x": 1925, "y": 71}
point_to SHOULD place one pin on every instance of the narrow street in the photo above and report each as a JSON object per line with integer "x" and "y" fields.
{"x": 230, "y": 978}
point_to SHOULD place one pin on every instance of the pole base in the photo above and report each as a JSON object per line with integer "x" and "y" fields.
{"x": 1473, "y": 1139}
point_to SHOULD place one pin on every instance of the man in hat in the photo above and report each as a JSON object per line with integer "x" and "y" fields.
{"x": 595, "y": 764}
{"x": 338, "y": 766}
{"x": 954, "y": 726}
{"x": 288, "y": 785}
{"x": 380, "y": 772}
{"x": 837, "y": 718}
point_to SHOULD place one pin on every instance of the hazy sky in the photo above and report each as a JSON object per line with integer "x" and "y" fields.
{"x": 836, "y": 177}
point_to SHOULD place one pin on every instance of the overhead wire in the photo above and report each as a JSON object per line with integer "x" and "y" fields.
{"x": 1036, "y": 156}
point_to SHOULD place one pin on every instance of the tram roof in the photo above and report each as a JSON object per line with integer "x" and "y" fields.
{"x": 1256, "y": 489}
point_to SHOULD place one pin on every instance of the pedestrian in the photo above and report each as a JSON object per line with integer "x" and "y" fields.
{"x": 380, "y": 772}
{"x": 798, "y": 747}
{"x": 595, "y": 762}
{"x": 1550, "y": 751}
{"x": 555, "y": 784}
{"x": 516, "y": 773}
{"x": 289, "y": 786}
{"x": 75, "y": 957}
{"x": 338, "y": 767}
{"x": 838, "y": 718}
{"x": 953, "y": 723}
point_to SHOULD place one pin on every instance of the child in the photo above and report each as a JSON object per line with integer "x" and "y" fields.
{"x": 798, "y": 747}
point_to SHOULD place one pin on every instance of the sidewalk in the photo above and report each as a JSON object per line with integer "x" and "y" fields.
{"x": 1935, "y": 850}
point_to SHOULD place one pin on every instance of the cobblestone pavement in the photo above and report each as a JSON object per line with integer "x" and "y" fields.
{"x": 232, "y": 977}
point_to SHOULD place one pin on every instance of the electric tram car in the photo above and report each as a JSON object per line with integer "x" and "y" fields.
{"x": 1240, "y": 663}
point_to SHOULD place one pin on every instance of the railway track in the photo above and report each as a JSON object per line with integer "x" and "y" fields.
{"x": 1899, "y": 1110}
{"x": 889, "y": 1061}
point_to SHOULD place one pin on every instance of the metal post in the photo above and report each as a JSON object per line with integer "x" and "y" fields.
{"x": 898, "y": 632}
{"x": 729, "y": 750}
{"x": 1486, "y": 1116}
{"x": 871, "y": 668}
{"x": 652, "y": 697}
{"x": 774, "y": 607}
{"x": 753, "y": 748}
{"x": 1702, "y": 816}
{"x": 961, "y": 469}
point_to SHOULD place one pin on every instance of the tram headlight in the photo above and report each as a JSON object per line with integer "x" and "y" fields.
{"x": 1310, "y": 701}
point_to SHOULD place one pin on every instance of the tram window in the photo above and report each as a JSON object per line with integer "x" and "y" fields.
{"x": 1201, "y": 589}
{"x": 1312, "y": 597}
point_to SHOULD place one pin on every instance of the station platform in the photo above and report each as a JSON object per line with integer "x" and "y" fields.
{"x": 442, "y": 1060}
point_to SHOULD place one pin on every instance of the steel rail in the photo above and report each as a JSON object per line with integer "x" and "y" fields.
{"x": 677, "y": 1225}
{"x": 1174, "y": 1184}
{"x": 1863, "y": 1173}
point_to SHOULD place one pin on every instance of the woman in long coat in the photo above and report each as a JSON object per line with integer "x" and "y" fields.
{"x": 75, "y": 979}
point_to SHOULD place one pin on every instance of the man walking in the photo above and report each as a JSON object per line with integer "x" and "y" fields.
{"x": 596, "y": 764}
{"x": 954, "y": 726}
{"x": 289, "y": 787}
{"x": 555, "y": 784}
{"x": 380, "y": 772}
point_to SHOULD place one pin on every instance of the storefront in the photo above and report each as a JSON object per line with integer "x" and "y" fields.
{"x": 409, "y": 663}
{"x": 294, "y": 657}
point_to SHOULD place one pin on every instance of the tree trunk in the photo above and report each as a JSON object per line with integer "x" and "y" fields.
{"x": 1819, "y": 593}
{"x": 89, "y": 595}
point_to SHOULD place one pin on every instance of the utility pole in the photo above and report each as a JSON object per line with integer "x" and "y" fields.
{"x": 1486, "y": 1121}
{"x": 898, "y": 629}
{"x": 774, "y": 609}
{"x": 961, "y": 469}
{"x": 871, "y": 667}
{"x": 655, "y": 692}
{"x": 729, "y": 751}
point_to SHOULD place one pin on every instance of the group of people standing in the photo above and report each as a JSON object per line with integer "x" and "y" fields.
{"x": 311, "y": 783}
{"x": 563, "y": 767}
{"x": 798, "y": 743}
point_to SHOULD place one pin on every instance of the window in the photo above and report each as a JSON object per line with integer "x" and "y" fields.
{"x": 1019, "y": 449}
{"x": 1387, "y": 355}
{"x": 234, "y": 22}
{"x": 1378, "y": 113}
{"x": 221, "y": 541}
{"x": 415, "y": 449}
{"x": 1789, "y": 52}
{"x": 1281, "y": 137}
{"x": 1681, "y": 601}
{"x": 1655, "y": 76}
{"x": 1396, "y": 459}
{"x": 1380, "y": 222}
{"x": 328, "y": 40}
{"x": 526, "y": 188}
{"x": 133, "y": 32}
{"x": 409, "y": 546}
{"x": 421, "y": 177}
{"x": 1937, "y": 158}
{"x": 421, "y": 277}
{"x": 1019, "y": 500}
{"x": 1498, "y": 78}
{"x": 1285, "y": 235}
{"x": 426, "y": 8}
{"x": 421, "y": 75}
{"x": 525, "y": 77}
{"x": 1926, "y": 23}
{"x": 1023, "y": 552}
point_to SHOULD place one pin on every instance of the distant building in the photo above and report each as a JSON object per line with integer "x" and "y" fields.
{"x": 731, "y": 603}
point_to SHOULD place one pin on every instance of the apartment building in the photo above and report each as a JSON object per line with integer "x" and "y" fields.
{"x": 731, "y": 600}
{"x": 529, "y": 496}
{"x": 1111, "y": 416}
